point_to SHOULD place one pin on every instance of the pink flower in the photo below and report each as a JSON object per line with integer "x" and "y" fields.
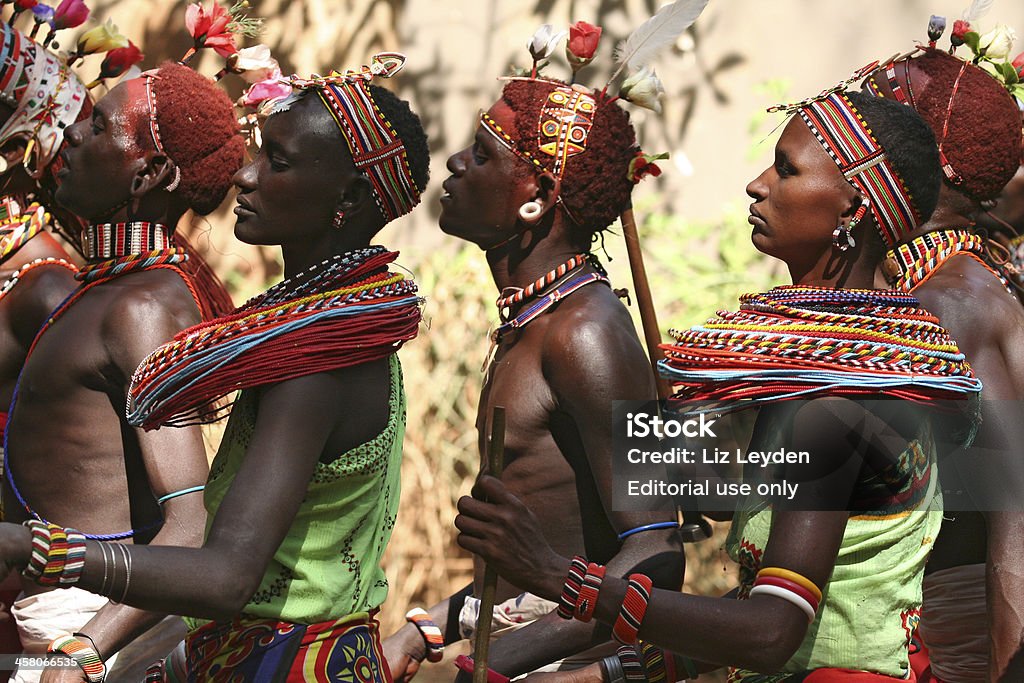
{"x": 270, "y": 88}
{"x": 583, "y": 39}
{"x": 210, "y": 29}
{"x": 1018, "y": 62}
{"x": 69, "y": 14}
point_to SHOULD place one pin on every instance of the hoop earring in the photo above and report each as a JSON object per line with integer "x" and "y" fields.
{"x": 530, "y": 211}
{"x": 339, "y": 220}
{"x": 842, "y": 238}
{"x": 173, "y": 185}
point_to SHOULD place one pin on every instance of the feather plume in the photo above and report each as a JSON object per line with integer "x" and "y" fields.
{"x": 659, "y": 32}
{"x": 977, "y": 10}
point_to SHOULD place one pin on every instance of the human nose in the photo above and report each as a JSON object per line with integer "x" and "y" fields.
{"x": 245, "y": 177}
{"x": 73, "y": 134}
{"x": 758, "y": 187}
{"x": 457, "y": 163}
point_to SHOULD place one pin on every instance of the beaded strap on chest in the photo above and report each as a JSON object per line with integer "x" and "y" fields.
{"x": 911, "y": 263}
{"x": 16, "y": 232}
{"x": 10, "y": 282}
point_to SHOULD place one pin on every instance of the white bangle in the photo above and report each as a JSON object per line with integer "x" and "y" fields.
{"x": 789, "y": 596}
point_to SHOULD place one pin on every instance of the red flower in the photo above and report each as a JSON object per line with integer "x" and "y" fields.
{"x": 211, "y": 29}
{"x": 69, "y": 14}
{"x": 642, "y": 165}
{"x": 23, "y": 5}
{"x": 1018, "y": 62}
{"x": 583, "y": 39}
{"x": 960, "y": 27}
{"x": 120, "y": 60}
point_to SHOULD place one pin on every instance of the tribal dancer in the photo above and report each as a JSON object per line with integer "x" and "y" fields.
{"x": 166, "y": 143}
{"x": 303, "y": 493}
{"x": 549, "y": 169}
{"x": 828, "y": 595}
{"x": 946, "y": 265}
{"x": 1006, "y": 220}
{"x": 36, "y": 273}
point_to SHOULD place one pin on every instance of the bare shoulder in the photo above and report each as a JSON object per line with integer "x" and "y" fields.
{"x": 39, "y": 291}
{"x": 143, "y": 310}
{"x": 590, "y": 337}
{"x": 970, "y": 301}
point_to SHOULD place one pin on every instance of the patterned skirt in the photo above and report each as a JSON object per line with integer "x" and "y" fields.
{"x": 267, "y": 651}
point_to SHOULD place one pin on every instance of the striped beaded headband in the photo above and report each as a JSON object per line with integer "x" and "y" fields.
{"x": 376, "y": 148}
{"x": 154, "y": 127}
{"x": 847, "y": 138}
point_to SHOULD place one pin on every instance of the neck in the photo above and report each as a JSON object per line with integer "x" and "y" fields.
{"x": 300, "y": 256}
{"x": 847, "y": 270}
{"x": 511, "y": 268}
{"x": 954, "y": 210}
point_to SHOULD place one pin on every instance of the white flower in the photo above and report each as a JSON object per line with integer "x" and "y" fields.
{"x": 643, "y": 89}
{"x": 255, "y": 63}
{"x": 997, "y": 43}
{"x": 544, "y": 42}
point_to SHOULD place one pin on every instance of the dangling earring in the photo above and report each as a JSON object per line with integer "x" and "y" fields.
{"x": 842, "y": 236}
{"x": 530, "y": 211}
{"x": 339, "y": 220}
{"x": 173, "y": 185}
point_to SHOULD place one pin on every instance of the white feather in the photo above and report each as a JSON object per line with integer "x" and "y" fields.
{"x": 977, "y": 10}
{"x": 658, "y": 32}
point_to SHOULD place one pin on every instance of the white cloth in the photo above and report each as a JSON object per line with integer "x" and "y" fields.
{"x": 44, "y": 616}
{"x": 954, "y": 625}
{"x": 517, "y": 612}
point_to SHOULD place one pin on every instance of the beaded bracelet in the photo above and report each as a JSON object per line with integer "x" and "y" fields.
{"x": 632, "y": 669}
{"x": 571, "y": 590}
{"x": 587, "y": 601}
{"x": 465, "y": 664}
{"x": 791, "y": 587}
{"x": 57, "y": 556}
{"x": 656, "y": 663}
{"x": 432, "y": 635}
{"x": 85, "y": 656}
{"x": 634, "y": 607}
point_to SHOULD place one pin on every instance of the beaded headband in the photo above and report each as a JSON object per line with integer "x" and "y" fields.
{"x": 375, "y": 146}
{"x": 46, "y": 96}
{"x": 844, "y": 134}
{"x": 154, "y": 127}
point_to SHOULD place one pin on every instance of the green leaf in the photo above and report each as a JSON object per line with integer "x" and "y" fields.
{"x": 1009, "y": 73}
{"x": 971, "y": 39}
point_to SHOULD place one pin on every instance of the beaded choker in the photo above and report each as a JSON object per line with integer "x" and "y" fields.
{"x": 908, "y": 265}
{"x": 347, "y": 310}
{"x": 506, "y": 302}
{"x": 802, "y": 342}
{"x": 18, "y": 230}
{"x": 113, "y": 240}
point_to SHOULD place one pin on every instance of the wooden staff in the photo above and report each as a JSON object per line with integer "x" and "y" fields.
{"x": 495, "y": 463}
{"x": 648, "y": 318}
{"x": 694, "y": 527}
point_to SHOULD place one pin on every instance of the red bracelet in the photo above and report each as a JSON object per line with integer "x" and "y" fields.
{"x": 588, "y": 592}
{"x": 634, "y": 607}
{"x": 571, "y": 590}
{"x": 466, "y": 664}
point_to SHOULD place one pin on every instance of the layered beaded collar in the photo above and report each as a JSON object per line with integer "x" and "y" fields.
{"x": 909, "y": 264}
{"x": 114, "y": 240}
{"x": 514, "y": 296}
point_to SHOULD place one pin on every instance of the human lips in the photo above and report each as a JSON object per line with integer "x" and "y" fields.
{"x": 243, "y": 209}
{"x": 755, "y": 218}
{"x": 446, "y": 192}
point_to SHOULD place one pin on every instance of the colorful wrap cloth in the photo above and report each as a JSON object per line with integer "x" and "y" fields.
{"x": 268, "y": 651}
{"x": 872, "y": 602}
{"x": 346, "y": 311}
{"x": 801, "y": 342}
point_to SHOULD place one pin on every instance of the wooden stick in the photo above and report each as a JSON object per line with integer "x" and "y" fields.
{"x": 495, "y": 464}
{"x": 648, "y": 318}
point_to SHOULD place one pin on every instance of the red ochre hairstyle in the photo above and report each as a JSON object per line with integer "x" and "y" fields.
{"x": 199, "y": 130}
{"x": 983, "y": 143}
{"x": 595, "y": 186}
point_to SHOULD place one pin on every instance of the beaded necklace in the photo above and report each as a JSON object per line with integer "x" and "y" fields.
{"x": 19, "y": 229}
{"x": 347, "y": 310}
{"x": 506, "y": 302}
{"x": 112, "y": 240}
{"x": 10, "y": 282}
{"x": 801, "y": 341}
{"x": 911, "y": 263}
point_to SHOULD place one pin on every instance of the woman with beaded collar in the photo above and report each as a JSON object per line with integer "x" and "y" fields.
{"x": 850, "y": 175}
{"x": 303, "y": 493}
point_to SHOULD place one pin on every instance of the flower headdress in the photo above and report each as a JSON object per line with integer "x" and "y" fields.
{"x": 376, "y": 149}
{"x": 567, "y": 115}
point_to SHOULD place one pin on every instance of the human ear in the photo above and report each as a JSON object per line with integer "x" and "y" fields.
{"x": 549, "y": 188}
{"x": 159, "y": 172}
{"x": 356, "y": 196}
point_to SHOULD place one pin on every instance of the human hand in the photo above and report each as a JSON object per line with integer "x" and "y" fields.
{"x": 15, "y": 546}
{"x": 63, "y": 674}
{"x": 588, "y": 674}
{"x": 404, "y": 652}
{"x": 508, "y": 537}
